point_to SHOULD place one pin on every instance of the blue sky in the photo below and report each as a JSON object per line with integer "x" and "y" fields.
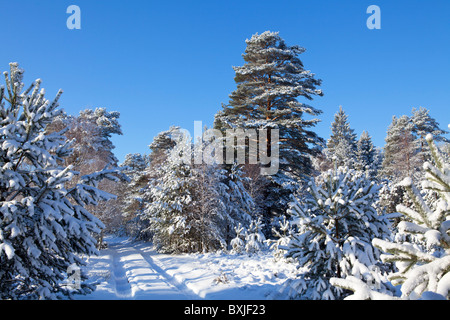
{"x": 163, "y": 63}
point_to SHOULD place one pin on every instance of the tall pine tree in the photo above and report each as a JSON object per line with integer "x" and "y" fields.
{"x": 268, "y": 87}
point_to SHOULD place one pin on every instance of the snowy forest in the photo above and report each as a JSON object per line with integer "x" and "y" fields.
{"x": 356, "y": 220}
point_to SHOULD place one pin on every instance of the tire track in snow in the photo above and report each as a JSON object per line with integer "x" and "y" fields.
{"x": 180, "y": 286}
{"x": 122, "y": 285}
{"x": 137, "y": 276}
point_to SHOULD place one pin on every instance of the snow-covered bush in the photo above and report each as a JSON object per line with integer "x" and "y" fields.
{"x": 283, "y": 235}
{"x": 239, "y": 203}
{"x": 250, "y": 241}
{"x": 254, "y": 237}
{"x": 337, "y": 223}
{"x": 44, "y": 225}
{"x": 238, "y": 243}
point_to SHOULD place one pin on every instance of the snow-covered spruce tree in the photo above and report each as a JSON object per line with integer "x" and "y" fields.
{"x": 283, "y": 235}
{"x": 424, "y": 268}
{"x": 239, "y": 205}
{"x": 133, "y": 202}
{"x": 187, "y": 211}
{"x": 422, "y": 125}
{"x": 238, "y": 242}
{"x": 255, "y": 239}
{"x": 169, "y": 210}
{"x": 337, "y": 223}
{"x": 366, "y": 155}
{"x": 160, "y": 148}
{"x": 268, "y": 86}
{"x": 44, "y": 227}
{"x": 342, "y": 144}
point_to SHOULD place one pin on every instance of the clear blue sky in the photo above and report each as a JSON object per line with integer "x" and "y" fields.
{"x": 163, "y": 63}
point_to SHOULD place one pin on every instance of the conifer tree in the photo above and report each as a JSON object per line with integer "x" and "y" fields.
{"x": 162, "y": 144}
{"x": 44, "y": 224}
{"x": 400, "y": 152}
{"x": 366, "y": 155}
{"x": 268, "y": 86}
{"x": 422, "y": 125}
{"x": 133, "y": 203}
{"x": 337, "y": 222}
{"x": 239, "y": 205}
{"x": 255, "y": 239}
{"x": 169, "y": 212}
{"x": 406, "y": 149}
{"x": 238, "y": 243}
{"x": 405, "y": 152}
{"x": 283, "y": 234}
{"x": 194, "y": 207}
{"x": 423, "y": 266}
{"x": 342, "y": 145}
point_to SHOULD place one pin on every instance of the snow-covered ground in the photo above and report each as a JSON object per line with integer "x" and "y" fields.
{"x": 134, "y": 270}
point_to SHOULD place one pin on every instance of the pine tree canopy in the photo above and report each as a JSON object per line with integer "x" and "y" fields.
{"x": 268, "y": 85}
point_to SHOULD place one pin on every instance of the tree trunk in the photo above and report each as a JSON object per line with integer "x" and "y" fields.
{"x": 100, "y": 240}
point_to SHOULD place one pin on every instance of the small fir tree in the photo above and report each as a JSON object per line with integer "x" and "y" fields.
{"x": 254, "y": 237}
{"x": 283, "y": 234}
{"x": 342, "y": 144}
{"x": 366, "y": 157}
{"x": 337, "y": 223}
{"x": 238, "y": 243}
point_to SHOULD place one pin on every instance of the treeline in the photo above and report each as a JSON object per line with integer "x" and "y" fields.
{"x": 185, "y": 204}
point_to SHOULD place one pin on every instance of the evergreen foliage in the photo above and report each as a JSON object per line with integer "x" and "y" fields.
{"x": 422, "y": 255}
{"x": 342, "y": 145}
{"x": 424, "y": 267}
{"x": 194, "y": 207}
{"x": 336, "y": 224}
{"x": 268, "y": 86}
{"x": 366, "y": 155}
{"x": 44, "y": 225}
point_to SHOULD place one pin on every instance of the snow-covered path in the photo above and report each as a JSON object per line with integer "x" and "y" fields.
{"x": 138, "y": 277}
{"x": 135, "y": 271}
{"x": 130, "y": 273}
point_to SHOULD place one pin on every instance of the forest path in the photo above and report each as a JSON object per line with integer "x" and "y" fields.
{"x": 133, "y": 270}
{"x": 134, "y": 275}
